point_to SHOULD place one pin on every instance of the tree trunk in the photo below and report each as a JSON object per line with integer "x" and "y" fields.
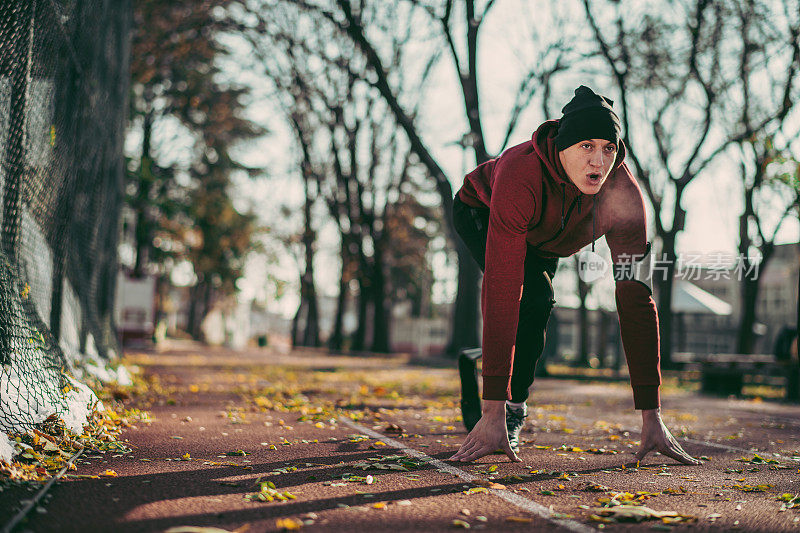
{"x": 336, "y": 339}
{"x": 143, "y": 235}
{"x": 793, "y": 381}
{"x": 195, "y": 309}
{"x": 309, "y": 336}
{"x": 380, "y": 337}
{"x": 208, "y": 299}
{"x": 296, "y": 324}
{"x": 750, "y": 286}
{"x": 466, "y": 314}
{"x": 664, "y": 281}
{"x": 745, "y": 339}
{"x": 364, "y": 295}
{"x": 583, "y": 320}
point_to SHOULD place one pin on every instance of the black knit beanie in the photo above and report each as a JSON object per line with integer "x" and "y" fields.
{"x": 587, "y": 116}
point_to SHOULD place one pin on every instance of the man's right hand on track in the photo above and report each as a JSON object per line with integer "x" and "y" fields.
{"x": 488, "y": 435}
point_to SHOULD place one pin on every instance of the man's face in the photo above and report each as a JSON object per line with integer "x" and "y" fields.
{"x": 588, "y": 163}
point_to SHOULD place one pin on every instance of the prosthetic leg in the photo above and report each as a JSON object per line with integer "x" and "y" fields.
{"x": 470, "y": 397}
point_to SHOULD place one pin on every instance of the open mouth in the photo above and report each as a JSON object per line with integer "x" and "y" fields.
{"x": 594, "y": 177}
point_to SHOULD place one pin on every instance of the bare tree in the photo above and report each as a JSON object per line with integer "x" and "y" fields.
{"x": 357, "y": 21}
{"x": 761, "y": 161}
{"x": 672, "y": 71}
{"x": 352, "y": 151}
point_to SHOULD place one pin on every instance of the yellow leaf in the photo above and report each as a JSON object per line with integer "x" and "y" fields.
{"x": 380, "y": 505}
{"x": 288, "y": 524}
{"x": 488, "y": 484}
{"x": 109, "y": 473}
{"x": 461, "y": 524}
{"x": 520, "y": 519}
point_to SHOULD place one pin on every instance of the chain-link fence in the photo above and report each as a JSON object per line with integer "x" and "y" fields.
{"x": 63, "y": 103}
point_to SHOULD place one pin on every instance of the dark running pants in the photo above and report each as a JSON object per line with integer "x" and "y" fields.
{"x": 472, "y": 225}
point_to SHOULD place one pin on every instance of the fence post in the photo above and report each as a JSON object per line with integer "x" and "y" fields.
{"x": 793, "y": 380}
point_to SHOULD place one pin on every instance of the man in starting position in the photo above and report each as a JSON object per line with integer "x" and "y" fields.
{"x": 517, "y": 214}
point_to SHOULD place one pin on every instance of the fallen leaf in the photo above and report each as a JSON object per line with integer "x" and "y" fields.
{"x": 638, "y": 513}
{"x": 288, "y": 524}
{"x": 752, "y": 488}
{"x": 461, "y": 524}
{"x": 240, "y": 453}
{"x": 489, "y": 484}
{"x": 196, "y": 529}
{"x": 596, "y": 487}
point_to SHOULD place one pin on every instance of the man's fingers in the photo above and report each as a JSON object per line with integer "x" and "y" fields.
{"x": 464, "y": 450}
{"x": 672, "y": 449}
{"x": 477, "y": 453}
{"x": 680, "y": 455}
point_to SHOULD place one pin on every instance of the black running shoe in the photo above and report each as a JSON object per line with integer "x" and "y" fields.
{"x": 515, "y": 419}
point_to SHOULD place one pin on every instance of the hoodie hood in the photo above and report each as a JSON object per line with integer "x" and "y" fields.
{"x": 545, "y": 146}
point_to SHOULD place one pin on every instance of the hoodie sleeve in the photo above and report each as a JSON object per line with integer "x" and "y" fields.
{"x": 511, "y": 209}
{"x": 638, "y": 318}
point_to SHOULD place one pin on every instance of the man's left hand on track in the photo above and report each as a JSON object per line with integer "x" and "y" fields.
{"x": 657, "y": 438}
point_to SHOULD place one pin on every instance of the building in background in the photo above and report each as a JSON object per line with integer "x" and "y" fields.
{"x": 776, "y": 307}
{"x": 134, "y": 308}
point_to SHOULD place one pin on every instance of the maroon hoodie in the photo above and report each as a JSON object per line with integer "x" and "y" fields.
{"x": 532, "y": 201}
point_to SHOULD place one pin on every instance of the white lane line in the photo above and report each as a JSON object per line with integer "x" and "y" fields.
{"x": 512, "y": 498}
{"x": 702, "y": 442}
{"x": 736, "y": 449}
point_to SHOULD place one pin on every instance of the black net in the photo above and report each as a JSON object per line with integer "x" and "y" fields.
{"x": 63, "y": 101}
